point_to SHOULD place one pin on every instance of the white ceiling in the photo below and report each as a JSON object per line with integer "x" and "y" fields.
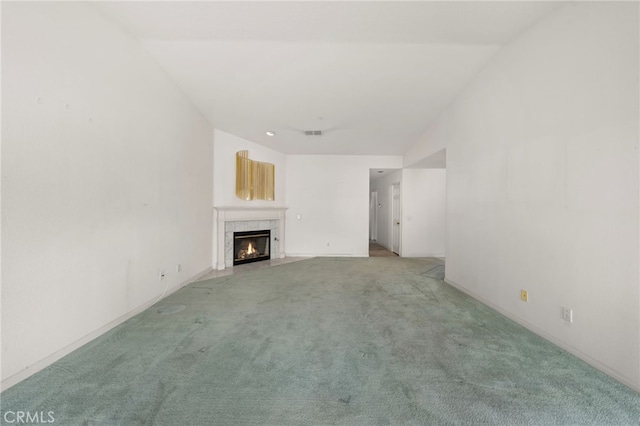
{"x": 370, "y": 75}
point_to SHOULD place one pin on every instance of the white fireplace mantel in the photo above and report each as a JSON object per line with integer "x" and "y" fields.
{"x": 222, "y": 215}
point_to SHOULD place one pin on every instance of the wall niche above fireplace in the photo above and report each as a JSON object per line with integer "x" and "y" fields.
{"x": 251, "y": 246}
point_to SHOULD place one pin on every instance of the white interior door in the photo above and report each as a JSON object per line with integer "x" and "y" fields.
{"x": 373, "y": 216}
{"x": 395, "y": 217}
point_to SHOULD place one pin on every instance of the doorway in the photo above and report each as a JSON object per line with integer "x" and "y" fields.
{"x": 381, "y": 182}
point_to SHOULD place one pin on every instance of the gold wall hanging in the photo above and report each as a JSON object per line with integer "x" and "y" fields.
{"x": 254, "y": 179}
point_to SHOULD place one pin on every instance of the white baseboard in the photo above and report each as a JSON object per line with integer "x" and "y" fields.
{"x": 422, "y": 255}
{"x": 576, "y": 352}
{"x": 327, "y": 255}
{"x": 197, "y": 277}
{"x": 50, "y": 359}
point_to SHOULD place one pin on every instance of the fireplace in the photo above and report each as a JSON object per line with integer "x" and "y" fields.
{"x": 239, "y": 219}
{"x": 251, "y": 246}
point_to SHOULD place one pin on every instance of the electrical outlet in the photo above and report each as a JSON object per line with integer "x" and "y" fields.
{"x": 161, "y": 275}
{"x": 524, "y": 295}
{"x": 567, "y": 314}
{"x": 178, "y": 267}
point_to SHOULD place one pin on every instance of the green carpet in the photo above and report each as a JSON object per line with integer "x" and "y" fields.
{"x": 348, "y": 341}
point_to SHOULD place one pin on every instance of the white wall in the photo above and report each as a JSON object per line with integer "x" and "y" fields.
{"x": 225, "y": 148}
{"x": 384, "y": 225}
{"x": 331, "y": 195}
{"x": 423, "y": 212}
{"x": 106, "y": 180}
{"x": 542, "y": 178}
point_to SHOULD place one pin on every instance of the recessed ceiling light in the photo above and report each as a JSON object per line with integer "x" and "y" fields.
{"x": 270, "y": 133}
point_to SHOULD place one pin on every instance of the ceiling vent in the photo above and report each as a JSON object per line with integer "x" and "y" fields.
{"x": 313, "y": 132}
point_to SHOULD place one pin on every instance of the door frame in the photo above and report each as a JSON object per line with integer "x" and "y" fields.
{"x": 396, "y": 215}
{"x": 373, "y": 215}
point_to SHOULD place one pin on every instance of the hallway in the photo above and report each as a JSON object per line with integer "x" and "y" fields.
{"x": 376, "y": 250}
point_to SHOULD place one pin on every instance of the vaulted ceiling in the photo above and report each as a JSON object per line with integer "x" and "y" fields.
{"x": 370, "y": 75}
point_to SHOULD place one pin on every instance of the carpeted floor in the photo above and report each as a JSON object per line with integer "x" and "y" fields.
{"x": 323, "y": 341}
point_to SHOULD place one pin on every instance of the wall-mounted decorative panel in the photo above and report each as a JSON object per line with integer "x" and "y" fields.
{"x": 254, "y": 179}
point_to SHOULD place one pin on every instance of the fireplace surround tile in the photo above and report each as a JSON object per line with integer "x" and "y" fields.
{"x": 231, "y": 219}
{"x": 243, "y": 225}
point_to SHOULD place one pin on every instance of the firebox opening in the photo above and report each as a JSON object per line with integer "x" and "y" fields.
{"x": 251, "y": 246}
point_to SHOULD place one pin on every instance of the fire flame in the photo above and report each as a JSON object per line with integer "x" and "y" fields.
{"x": 251, "y": 249}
